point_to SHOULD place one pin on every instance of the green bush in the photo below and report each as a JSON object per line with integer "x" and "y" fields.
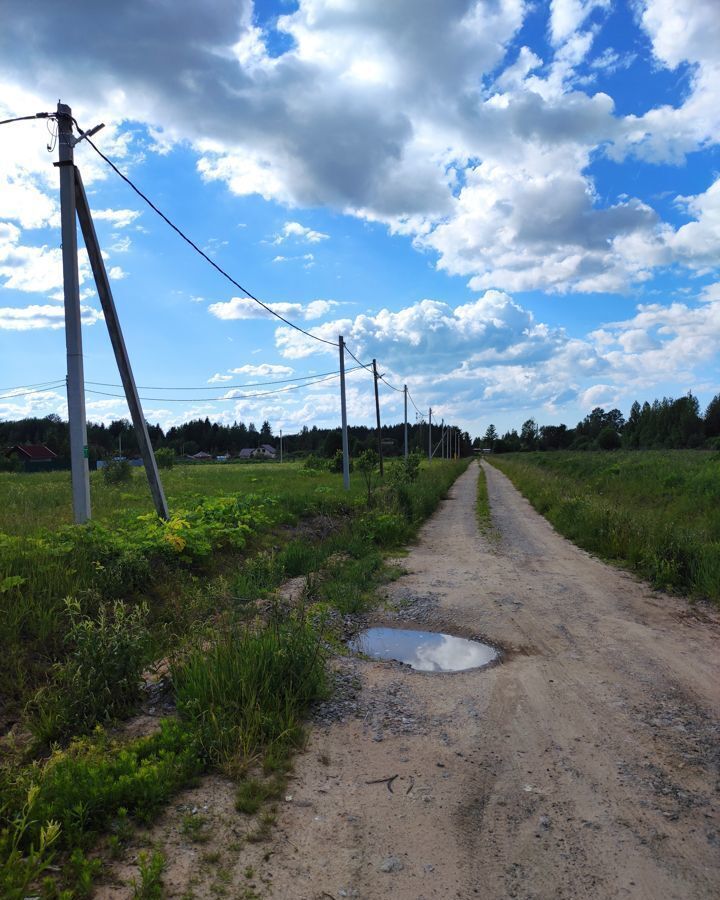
{"x": 117, "y": 471}
{"x": 165, "y": 458}
{"x": 101, "y": 676}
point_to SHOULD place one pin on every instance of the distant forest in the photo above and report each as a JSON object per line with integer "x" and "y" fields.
{"x": 212, "y": 437}
{"x": 663, "y": 424}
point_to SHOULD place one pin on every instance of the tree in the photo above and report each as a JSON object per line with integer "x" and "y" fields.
{"x": 712, "y": 417}
{"x": 491, "y": 436}
{"x": 529, "y": 434}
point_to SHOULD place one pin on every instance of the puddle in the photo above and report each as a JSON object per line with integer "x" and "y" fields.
{"x": 426, "y": 651}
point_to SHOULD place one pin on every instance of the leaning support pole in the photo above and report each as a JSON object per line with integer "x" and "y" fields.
{"x": 406, "y": 432}
{"x": 377, "y": 415}
{"x": 80, "y": 472}
{"x": 343, "y": 414}
{"x": 118, "y": 344}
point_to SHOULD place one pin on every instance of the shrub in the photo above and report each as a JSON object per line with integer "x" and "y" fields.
{"x": 165, "y": 458}
{"x": 117, "y": 471}
{"x": 100, "y": 678}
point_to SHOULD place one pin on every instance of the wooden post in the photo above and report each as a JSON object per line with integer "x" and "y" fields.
{"x": 406, "y": 425}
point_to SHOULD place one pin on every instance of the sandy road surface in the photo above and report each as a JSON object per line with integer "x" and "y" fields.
{"x": 585, "y": 765}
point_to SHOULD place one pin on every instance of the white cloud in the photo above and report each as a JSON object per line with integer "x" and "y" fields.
{"x": 299, "y": 232}
{"x": 36, "y": 316}
{"x": 245, "y": 308}
{"x": 262, "y": 370}
{"x": 120, "y": 218}
{"x": 117, "y": 273}
{"x": 219, "y": 378}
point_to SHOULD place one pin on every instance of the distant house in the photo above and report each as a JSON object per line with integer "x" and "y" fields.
{"x": 202, "y": 455}
{"x": 264, "y": 451}
{"x": 37, "y": 453}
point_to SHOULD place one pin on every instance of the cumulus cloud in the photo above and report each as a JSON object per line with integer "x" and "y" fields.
{"x": 119, "y": 218}
{"x": 300, "y": 233}
{"x": 262, "y": 370}
{"x": 36, "y": 316}
{"x": 245, "y": 308}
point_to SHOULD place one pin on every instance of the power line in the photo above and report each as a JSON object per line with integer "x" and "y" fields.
{"x": 285, "y": 390}
{"x": 415, "y": 404}
{"x": 392, "y": 386}
{"x": 21, "y": 387}
{"x": 40, "y": 115}
{"x": 50, "y": 386}
{"x": 364, "y": 366}
{"x": 222, "y": 387}
{"x": 199, "y": 250}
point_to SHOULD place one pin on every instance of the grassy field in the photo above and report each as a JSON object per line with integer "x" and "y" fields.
{"x": 44, "y": 501}
{"x": 86, "y": 609}
{"x": 655, "y": 512}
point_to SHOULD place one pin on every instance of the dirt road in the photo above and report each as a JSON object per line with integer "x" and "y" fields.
{"x": 585, "y": 765}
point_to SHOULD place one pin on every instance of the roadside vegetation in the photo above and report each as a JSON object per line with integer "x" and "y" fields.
{"x": 87, "y": 610}
{"x": 655, "y": 512}
{"x": 482, "y": 507}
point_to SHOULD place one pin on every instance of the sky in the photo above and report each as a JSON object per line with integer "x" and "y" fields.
{"x": 514, "y": 205}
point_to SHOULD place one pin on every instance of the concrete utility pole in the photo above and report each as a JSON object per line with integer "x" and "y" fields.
{"x": 80, "y": 472}
{"x": 281, "y": 445}
{"x": 343, "y": 414}
{"x": 377, "y": 416}
{"x": 406, "y": 433}
{"x": 118, "y": 344}
{"x": 442, "y": 439}
{"x": 430, "y": 434}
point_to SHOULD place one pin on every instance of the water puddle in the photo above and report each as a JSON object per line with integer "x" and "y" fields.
{"x": 426, "y": 651}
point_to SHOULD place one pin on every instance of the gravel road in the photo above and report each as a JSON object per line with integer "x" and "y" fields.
{"x": 584, "y": 765}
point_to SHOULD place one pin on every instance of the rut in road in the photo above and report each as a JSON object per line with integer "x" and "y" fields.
{"x": 583, "y": 766}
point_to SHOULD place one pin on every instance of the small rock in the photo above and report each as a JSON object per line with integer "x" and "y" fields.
{"x": 544, "y": 821}
{"x": 429, "y": 867}
{"x": 391, "y": 864}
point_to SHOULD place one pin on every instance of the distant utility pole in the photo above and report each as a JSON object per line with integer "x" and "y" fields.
{"x": 80, "y": 471}
{"x": 406, "y": 427}
{"x": 281, "y": 445}
{"x": 343, "y": 415}
{"x": 442, "y": 439}
{"x": 430, "y": 434}
{"x": 73, "y": 200}
{"x": 377, "y": 415}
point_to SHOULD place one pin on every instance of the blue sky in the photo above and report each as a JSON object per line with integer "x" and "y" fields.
{"x": 513, "y": 205}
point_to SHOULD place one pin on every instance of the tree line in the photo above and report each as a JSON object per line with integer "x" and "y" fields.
{"x": 118, "y": 438}
{"x": 661, "y": 425}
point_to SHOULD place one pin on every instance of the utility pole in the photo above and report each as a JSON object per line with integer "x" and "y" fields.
{"x": 80, "y": 472}
{"x": 377, "y": 416}
{"x": 442, "y": 439}
{"x": 281, "y": 445}
{"x": 430, "y": 434}
{"x": 343, "y": 415}
{"x": 118, "y": 344}
{"x": 406, "y": 433}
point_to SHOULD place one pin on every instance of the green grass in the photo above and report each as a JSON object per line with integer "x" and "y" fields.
{"x": 482, "y": 506}
{"x": 655, "y": 512}
{"x": 242, "y": 682}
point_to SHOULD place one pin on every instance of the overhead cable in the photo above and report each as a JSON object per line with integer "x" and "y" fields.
{"x": 200, "y": 251}
{"x": 295, "y": 387}
{"x": 26, "y": 393}
{"x": 223, "y": 387}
